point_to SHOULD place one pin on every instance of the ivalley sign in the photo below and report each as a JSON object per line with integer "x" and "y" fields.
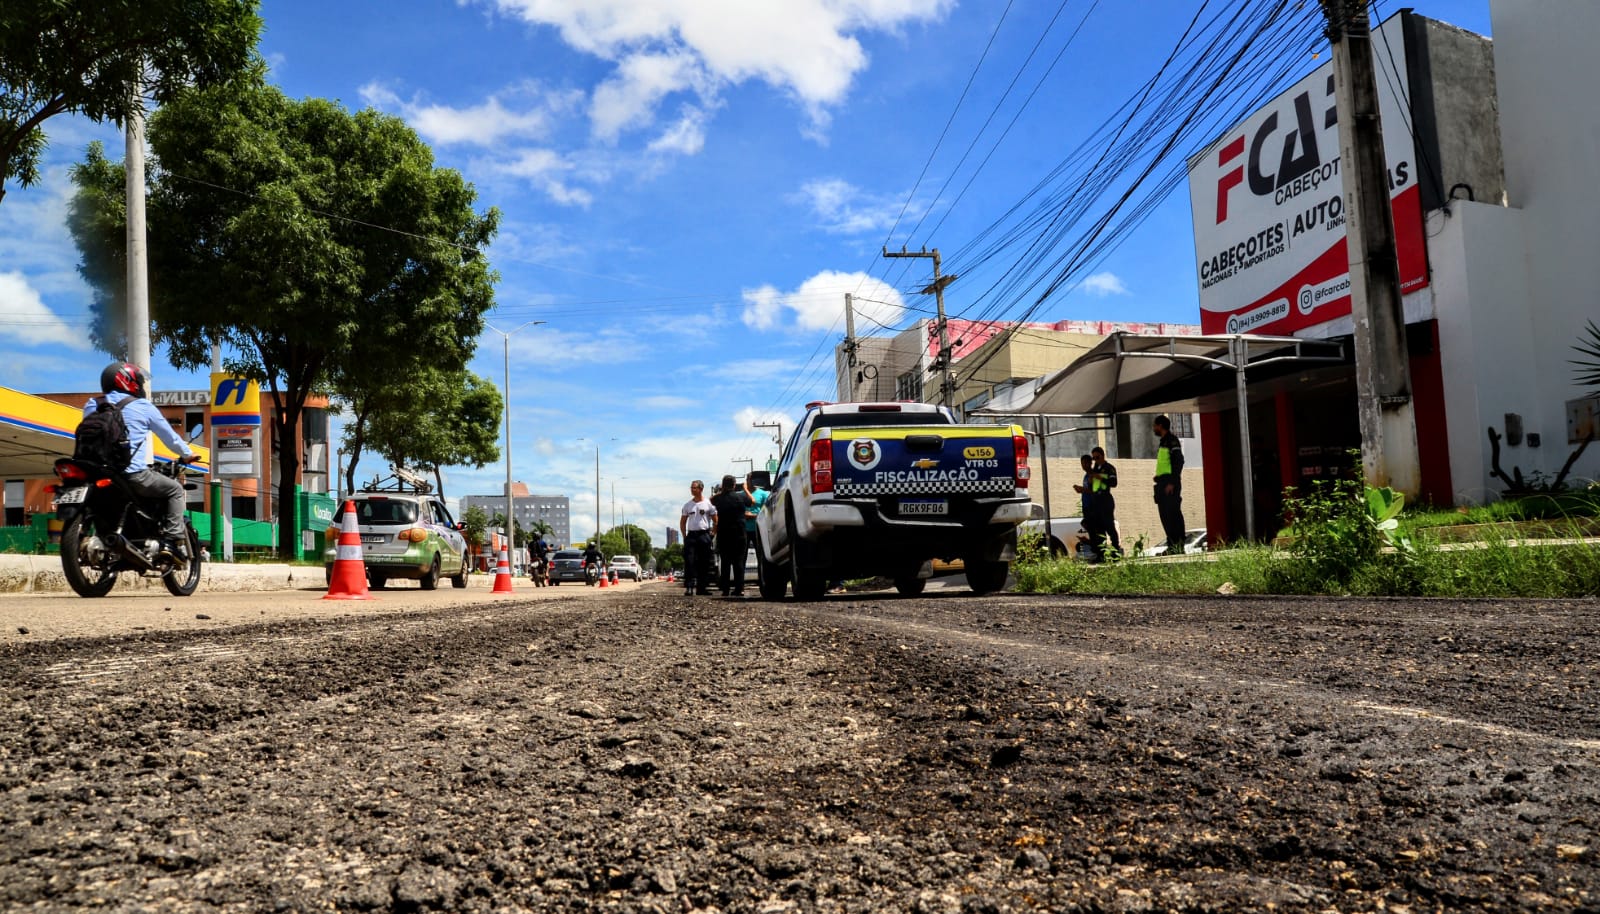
{"x": 1268, "y": 206}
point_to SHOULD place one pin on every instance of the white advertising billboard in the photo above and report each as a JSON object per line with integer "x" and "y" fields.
{"x": 1268, "y": 205}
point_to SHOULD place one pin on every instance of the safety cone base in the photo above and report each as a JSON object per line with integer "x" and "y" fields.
{"x": 502, "y": 574}
{"x": 348, "y": 580}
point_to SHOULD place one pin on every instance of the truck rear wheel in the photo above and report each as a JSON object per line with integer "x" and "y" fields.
{"x": 986, "y": 577}
{"x": 809, "y": 583}
{"x": 910, "y": 585}
{"x": 770, "y": 577}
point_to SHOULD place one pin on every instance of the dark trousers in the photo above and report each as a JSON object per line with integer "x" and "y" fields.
{"x": 732, "y": 548}
{"x": 153, "y": 485}
{"x": 1104, "y": 511}
{"x": 697, "y": 560}
{"x": 1170, "y": 507}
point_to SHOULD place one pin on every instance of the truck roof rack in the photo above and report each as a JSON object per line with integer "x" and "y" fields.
{"x": 400, "y": 480}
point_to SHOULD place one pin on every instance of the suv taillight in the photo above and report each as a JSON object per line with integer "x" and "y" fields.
{"x": 821, "y": 466}
{"x": 1019, "y": 443}
{"x": 414, "y": 535}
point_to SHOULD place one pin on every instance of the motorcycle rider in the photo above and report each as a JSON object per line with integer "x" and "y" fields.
{"x": 124, "y": 381}
{"x": 593, "y": 556}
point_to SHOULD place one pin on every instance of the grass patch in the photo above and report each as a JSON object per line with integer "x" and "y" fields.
{"x": 1495, "y": 567}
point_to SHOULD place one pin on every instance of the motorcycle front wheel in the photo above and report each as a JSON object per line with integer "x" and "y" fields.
{"x": 86, "y": 580}
{"x": 182, "y": 582}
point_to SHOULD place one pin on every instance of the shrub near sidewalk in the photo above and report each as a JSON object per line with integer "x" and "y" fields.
{"x": 1339, "y": 547}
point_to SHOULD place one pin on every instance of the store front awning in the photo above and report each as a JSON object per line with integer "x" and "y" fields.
{"x": 1128, "y": 373}
{"x": 35, "y": 432}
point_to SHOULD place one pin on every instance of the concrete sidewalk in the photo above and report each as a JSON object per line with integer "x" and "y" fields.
{"x": 40, "y": 574}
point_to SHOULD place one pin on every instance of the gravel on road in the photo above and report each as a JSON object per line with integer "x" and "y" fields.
{"x": 640, "y": 751}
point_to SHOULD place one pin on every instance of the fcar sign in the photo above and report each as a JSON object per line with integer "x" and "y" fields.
{"x": 1268, "y": 208}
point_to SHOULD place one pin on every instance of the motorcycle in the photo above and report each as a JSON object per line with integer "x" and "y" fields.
{"x": 591, "y": 573}
{"x": 541, "y": 571}
{"x": 107, "y": 529}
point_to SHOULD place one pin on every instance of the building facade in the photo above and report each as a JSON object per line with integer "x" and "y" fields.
{"x": 528, "y": 508}
{"x": 1490, "y": 147}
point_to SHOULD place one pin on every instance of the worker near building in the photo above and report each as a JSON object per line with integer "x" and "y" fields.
{"x": 1103, "y": 476}
{"x": 1169, "y": 489}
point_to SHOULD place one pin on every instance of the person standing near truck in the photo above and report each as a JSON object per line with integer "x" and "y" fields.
{"x": 698, "y": 519}
{"x": 1169, "y": 489}
{"x": 731, "y": 503}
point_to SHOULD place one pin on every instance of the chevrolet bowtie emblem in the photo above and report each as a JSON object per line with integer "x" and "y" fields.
{"x": 926, "y": 463}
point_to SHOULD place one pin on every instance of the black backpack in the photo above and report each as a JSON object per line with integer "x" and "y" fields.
{"x": 103, "y": 437}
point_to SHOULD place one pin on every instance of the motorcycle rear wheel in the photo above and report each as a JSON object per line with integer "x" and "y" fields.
{"x": 85, "y": 580}
{"x": 181, "y": 582}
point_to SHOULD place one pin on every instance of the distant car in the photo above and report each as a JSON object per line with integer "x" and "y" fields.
{"x": 626, "y": 566}
{"x": 1194, "y": 540}
{"x": 566, "y": 565}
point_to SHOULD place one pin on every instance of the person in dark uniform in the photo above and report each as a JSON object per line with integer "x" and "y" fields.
{"x": 1169, "y": 488}
{"x": 731, "y": 502}
{"x": 1105, "y": 503}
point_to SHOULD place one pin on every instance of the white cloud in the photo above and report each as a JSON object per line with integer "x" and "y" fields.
{"x": 686, "y": 137}
{"x": 642, "y": 81}
{"x": 819, "y": 303}
{"x": 25, "y": 318}
{"x": 843, "y": 209}
{"x": 806, "y": 48}
{"x": 1101, "y": 285}
{"x": 532, "y": 113}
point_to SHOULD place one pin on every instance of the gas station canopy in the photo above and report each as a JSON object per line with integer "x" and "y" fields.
{"x": 35, "y": 432}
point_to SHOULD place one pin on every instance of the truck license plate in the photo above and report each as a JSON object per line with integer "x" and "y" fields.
{"x": 939, "y": 506}
{"x": 73, "y": 496}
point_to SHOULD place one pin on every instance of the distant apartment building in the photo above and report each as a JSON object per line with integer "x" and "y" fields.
{"x": 527, "y": 508}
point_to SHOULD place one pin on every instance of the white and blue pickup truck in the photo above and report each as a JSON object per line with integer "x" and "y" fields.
{"x": 870, "y": 489}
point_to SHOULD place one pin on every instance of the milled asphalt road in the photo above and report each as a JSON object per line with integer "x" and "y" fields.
{"x": 634, "y": 750}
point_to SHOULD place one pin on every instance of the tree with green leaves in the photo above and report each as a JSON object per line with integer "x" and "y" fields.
{"x": 290, "y": 231}
{"x": 59, "y": 57}
{"x": 439, "y": 419}
{"x": 475, "y": 527}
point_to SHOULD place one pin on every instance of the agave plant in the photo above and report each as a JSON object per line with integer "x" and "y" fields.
{"x": 1588, "y": 367}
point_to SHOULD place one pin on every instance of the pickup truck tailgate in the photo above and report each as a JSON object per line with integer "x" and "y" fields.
{"x": 917, "y": 460}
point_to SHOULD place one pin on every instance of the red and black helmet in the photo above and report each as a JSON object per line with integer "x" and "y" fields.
{"x": 125, "y": 377}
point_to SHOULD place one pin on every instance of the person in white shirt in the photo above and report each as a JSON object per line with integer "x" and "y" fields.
{"x": 699, "y": 518}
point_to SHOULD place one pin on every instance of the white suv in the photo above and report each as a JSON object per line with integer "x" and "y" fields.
{"x": 626, "y": 566}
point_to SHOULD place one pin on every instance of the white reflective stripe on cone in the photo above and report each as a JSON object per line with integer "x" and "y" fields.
{"x": 347, "y": 553}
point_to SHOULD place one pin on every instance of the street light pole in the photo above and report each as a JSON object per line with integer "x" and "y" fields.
{"x": 511, "y": 523}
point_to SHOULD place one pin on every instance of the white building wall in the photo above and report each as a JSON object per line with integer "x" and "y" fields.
{"x": 1488, "y": 354}
{"x": 1546, "y": 74}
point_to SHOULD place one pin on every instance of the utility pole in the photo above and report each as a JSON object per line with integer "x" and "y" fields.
{"x": 941, "y": 363}
{"x": 849, "y": 345}
{"x": 138, "y": 310}
{"x": 1383, "y": 377}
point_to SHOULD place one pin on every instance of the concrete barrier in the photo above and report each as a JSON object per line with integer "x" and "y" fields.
{"x": 42, "y": 574}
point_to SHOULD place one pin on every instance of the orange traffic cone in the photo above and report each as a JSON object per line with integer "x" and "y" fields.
{"x": 502, "y": 573}
{"x": 349, "y": 578}
{"x": 602, "y": 581}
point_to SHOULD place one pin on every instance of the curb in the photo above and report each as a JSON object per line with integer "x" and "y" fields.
{"x": 24, "y": 574}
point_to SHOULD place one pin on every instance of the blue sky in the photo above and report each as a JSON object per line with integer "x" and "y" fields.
{"x": 688, "y": 188}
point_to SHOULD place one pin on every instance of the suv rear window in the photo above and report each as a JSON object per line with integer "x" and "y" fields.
{"x": 568, "y": 556}
{"x": 382, "y": 511}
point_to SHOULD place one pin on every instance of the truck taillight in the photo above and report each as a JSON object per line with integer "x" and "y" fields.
{"x": 821, "y": 466}
{"x": 1019, "y": 444}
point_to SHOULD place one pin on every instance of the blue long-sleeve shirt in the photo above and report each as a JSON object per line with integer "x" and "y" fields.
{"x": 141, "y": 417}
